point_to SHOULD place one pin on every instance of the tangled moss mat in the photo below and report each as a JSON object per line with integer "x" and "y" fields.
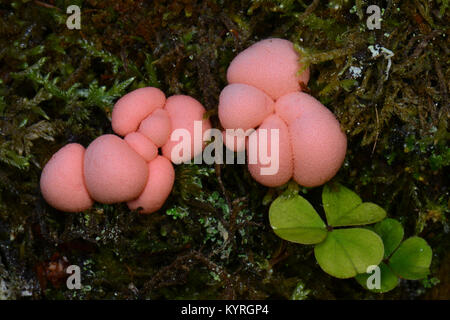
{"x": 212, "y": 239}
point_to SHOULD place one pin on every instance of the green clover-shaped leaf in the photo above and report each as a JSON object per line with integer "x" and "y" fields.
{"x": 391, "y": 231}
{"x": 388, "y": 280}
{"x": 347, "y": 252}
{"x": 343, "y": 207}
{"x": 412, "y": 259}
{"x": 342, "y": 253}
{"x": 294, "y": 219}
{"x": 338, "y": 200}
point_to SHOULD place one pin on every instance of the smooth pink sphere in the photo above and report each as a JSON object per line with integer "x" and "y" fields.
{"x": 113, "y": 171}
{"x": 62, "y": 182}
{"x": 243, "y": 106}
{"x": 156, "y": 127}
{"x": 318, "y": 143}
{"x": 159, "y": 185}
{"x": 142, "y": 145}
{"x": 293, "y": 105}
{"x": 132, "y": 108}
{"x": 236, "y": 141}
{"x": 285, "y": 163}
{"x": 271, "y": 65}
{"x": 183, "y": 112}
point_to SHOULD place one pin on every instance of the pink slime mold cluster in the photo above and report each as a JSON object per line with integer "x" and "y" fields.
{"x": 131, "y": 169}
{"x": 264, "y": 92}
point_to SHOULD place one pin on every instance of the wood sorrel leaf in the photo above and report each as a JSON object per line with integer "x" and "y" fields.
{"x": 337, "y": 200}
{"x": 391, "y": 231}
{"x": 412, "y": 259}
{"x": 347, "y": 252}
{"x": 388, "y": 280}
{"x": 343, "y": 207}
{"x": 294, "y": 219}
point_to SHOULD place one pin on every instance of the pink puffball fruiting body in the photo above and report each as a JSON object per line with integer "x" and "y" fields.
{"x": 318, "y": 144}
{"x": 142, "y": 145}
{"x": 159, "y": 185}
{"x": 296, "y": 104}
{"x": 271, "y": 65}
{"x": 236, "y": 142}
{"x": 62, "y": 182}
{"x": 183, "y": 112}
{"x": 284, "y": 158}
{"x": 243, "y": 106}
{"x": 113, "y": 171}
{"x": 311, "y": 145}
{"x": 132, "y": 108}
{"x": 156, "y": 127}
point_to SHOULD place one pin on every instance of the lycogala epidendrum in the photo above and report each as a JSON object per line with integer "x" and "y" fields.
{"x": 263, "y": 147}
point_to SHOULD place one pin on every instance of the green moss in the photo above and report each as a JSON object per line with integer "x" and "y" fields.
{"x": 59, "y": 85}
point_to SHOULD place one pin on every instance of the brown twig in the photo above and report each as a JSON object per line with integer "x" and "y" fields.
{"x": 309, "y": 10}
{"x": 46, "y": 5}
{"x": 378, "y": 131}
{"x": 442, "y": 82}
{"x": 222, "y": 187}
